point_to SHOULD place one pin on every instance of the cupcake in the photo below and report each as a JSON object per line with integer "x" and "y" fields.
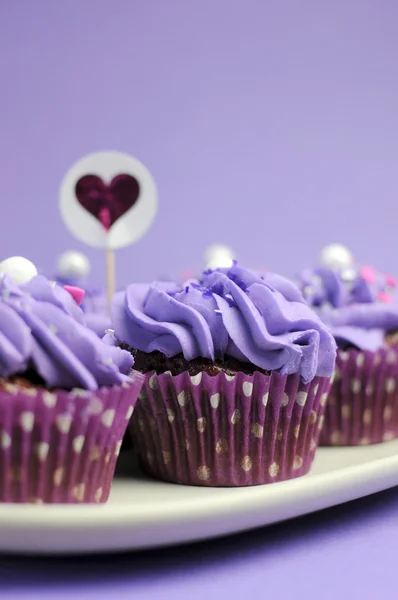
{"x": 237, "y": 373}
{"x": 360, "y": 308}
{"x": 73, "y": 269}
{"x": 65, "y": 398}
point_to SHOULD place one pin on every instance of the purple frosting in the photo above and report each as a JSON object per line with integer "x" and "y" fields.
{"x": 358, "y": 304}
{"x": 94, "y": 304}
{"x": 228, "y": 312}
{"x": 42, "y": 328}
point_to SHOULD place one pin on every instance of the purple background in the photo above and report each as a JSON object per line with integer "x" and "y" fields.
{"x": 270, "y": 125}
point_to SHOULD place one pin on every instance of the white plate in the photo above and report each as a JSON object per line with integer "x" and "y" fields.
{"x": 143, "y": 513}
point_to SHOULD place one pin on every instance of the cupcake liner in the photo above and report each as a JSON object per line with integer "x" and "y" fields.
{"x": 59, "y": 446}
{"x": 363, "y": 403}
{"x": 226, "y": 430}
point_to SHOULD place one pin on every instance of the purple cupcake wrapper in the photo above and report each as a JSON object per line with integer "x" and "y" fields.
{"x": 363, "y": 404}
{"x": 228, "y": 431}
{"x": 61, "y": 447}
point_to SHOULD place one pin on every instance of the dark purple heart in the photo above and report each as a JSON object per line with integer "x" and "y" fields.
{"x": 107, "y": 202}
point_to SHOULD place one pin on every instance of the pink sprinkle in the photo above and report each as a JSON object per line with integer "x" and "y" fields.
{"x": 76, "y": 293}
{"x": 105, "y": 218}
{"x": 368, "y": 274}
{"x": 384, "y": 297}
{"x": 390, "y": 281}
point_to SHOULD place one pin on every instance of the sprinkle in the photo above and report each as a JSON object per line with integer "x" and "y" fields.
{"x": 186, "y": 289}
{"x": 368, "y": 274}
{"x": 384, "y": 297}
{"x": 390, "y": 280}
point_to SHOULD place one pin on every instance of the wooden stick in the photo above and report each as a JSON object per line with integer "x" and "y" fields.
{"x": 110, "y": 275}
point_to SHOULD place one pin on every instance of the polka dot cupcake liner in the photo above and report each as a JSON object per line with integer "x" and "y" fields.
{"x": 363, "y": 405}
{"x": 228, "y": 430}
{"x": 59, "y": 446}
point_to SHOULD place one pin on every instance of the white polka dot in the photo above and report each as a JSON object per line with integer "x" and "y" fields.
{"x": 321, "y": 422}
{"x": 297, "y": 463}
{"x": 108, "y": 457}
{"x": 265, "y": 399}
{"x": 170, "y": 415}
{"x": 313, "y": 444}
{"x": 343, "y": 356}
{"x": 96, "y": 406}
{"x": 98, "y": 495}
{"x": 285, "y": 400}
{"x": 78, "y": 443}
{"x": 153, "y": 384}
{"x": 167, "y": 373}
{"x": 129, "y": 413}
{"x": 336, "y": 375}
{"x": 367, "y": 416}
{"x": 346, "y": 411}
{"x": 30, "y": 391}
{"x": 108, "y": 417}
{"x": 215, "y": 400}
{"x": 316, "y": 388}
{"x": 27, "y": 420}
{"x": 360, "y": 359}
{"x": 356, "y": 386}
{"x": 58, "y": 476}
{"x": 301, "y": 398}
{"x": 95, "y": 452}
{"x": 11, "y": 388}
{"x": 196, "y": 379}
{"x": 63, "y": 423}
{"x": 201, "y": 424}
{"x": 246, "y": 463}
{"x": 203, "y": 473}
{"x": 49, "y": 399}
{"x": 257, "y": 430}
{"x": 365, "y": 441}
{"x": 296, "y": 431}
{"x": 390, "y": 385}
{"x": 229, "y": 377}
{"x": 324, "y": 399}
{"x": 33, "y": 500}
{"x": 313, "y": 417}
{"x": 387, "y": 413}
{"x": 141, "y": 425}
{"x": 78, "y": 492}
{"x": 166, "y": 457}
{"x": 247, "y": 388}
{"x": 389, "y": 435}
{"x": 5, "y": 439}
{"x": 336, "y": 438}
{"x": 221, "y": 446}
{"x": 235, "y": 416}
{"x": 149, "y": 457}
{"x": 273, "y": 470}
{"x": 42, "y": 449}
{"x": 187, "y": 444}
{"x": 80, "y": 393}
{"x": 118, "y": 447}
{"x": 369, "y": 389}
{"x": 182, "y": 398}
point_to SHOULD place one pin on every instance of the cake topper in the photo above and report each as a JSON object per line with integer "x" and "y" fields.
{"x": 218, "y": 256}
{"x": 108, "y": 200}
{"x": 336, "y": 257}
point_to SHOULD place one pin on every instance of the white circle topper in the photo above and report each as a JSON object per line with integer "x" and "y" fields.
{"x": 108, "y": 200}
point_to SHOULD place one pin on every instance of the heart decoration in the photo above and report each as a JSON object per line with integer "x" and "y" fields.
{"x": 107, "y": 202}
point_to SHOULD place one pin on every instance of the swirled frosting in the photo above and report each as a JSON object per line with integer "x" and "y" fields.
{"x": 42, "y": 328}
{"x": 94, "y": 304}
{"x": 358, "y": 304}
{"x": 228, "y": 312}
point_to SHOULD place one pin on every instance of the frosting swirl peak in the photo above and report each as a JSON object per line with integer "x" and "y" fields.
{"x": 227, "y": 312}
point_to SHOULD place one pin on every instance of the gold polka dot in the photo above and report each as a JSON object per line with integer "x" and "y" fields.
{"x": 369, "y": 389}
{"x": 235, "y": 416}
{"x": 279, "y": 434}
{"x": 58, "y": 476}
{"x": 118, "y": 448}
{"x": 98, "y": 495}
{"x": 273, "y": 469}
{"x": 187, "y": 444}
{"x": 203, "y": 473}
{"x": 95, "y": 452}
{"x": 312, "y": 444}
{"x": 356, "y": 386}
{"x": 298, "y": 462}
{"x": 346, "y": 411}
{"x": 170, "y": 415}
{"x": 365, "y": 441}
{"x": 107, "y": 457}
{"x": 296, "y": 431}
{"x": 153, "y": 384}
{"x": 201, "y": 424}
{"x": 389, "y": 435}
{"x": 320, "y": 422}
{"x": 313, "y": 417}
{"x": 78, "y": 492}
{"x": 387, "y": 413}
{"x": 141, "y": 425}
{"x": 336, "y": 375}
{"x": 367, "y": 416}
{"x": 166, "y": 457}
{"x": 257, "y": 430}
{"x": 222, "y": 446}
{"x": 390, "y": 385}
{"x": 324, "y": 399}
{"x": 34, "y": 500}
{"x": 246, "y": 463}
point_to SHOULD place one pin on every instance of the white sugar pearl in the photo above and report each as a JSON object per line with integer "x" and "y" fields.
{"x": 18, "y": 268}
{"x": 218, "y": 256}
{"x": 73, "y": 264}
{"x": 336, "y": 257}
